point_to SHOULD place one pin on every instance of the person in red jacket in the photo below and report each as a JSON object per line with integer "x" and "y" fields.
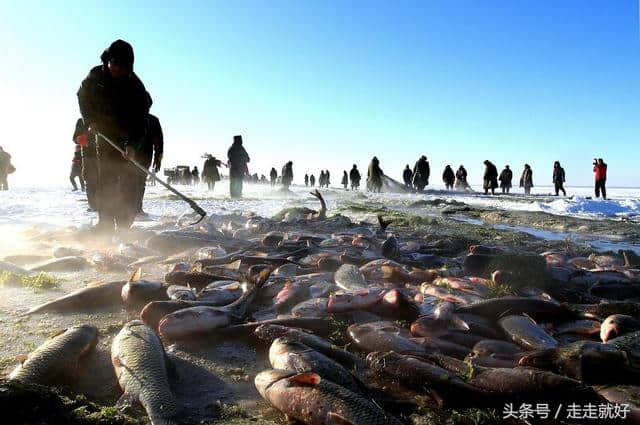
{"x": 600, "y": 168}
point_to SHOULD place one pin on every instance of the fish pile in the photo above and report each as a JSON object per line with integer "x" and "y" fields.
{"x": 361, "y": 324}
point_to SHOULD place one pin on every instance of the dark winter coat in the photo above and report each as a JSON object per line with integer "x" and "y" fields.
{"x": 448, "y": 176}
{"x": 506, "y": 176}
{"x": 558, "y": 175}
{"x": 406, "y": 175}
{"x": 490, "y": 176}
{"x": 210, "y": 169}
{"x": 118, "y": 106}
{"x": 238, "y": 160}
{"x": 421, "y": 173}
{"x": 526, "y": 180}
{"x": 375, "y": 173}
{"x": 354, "y": 176}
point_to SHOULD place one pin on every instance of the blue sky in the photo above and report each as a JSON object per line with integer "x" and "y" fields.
{"x": 329, "y": 84}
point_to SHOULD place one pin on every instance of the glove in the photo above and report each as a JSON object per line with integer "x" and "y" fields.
{"x": 157, "y": 161}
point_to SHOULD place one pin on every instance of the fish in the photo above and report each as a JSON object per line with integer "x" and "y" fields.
{"x": 349, "y": 278}
{"x": 20, "y": 260}
{"x": 154, "y": 311}
{"x": 581, "y": 327}
{"x": 184, "y": 293}
{"x": 140, "y": 364}
{"x": 136, "y": 251}
{"x": 608, "y": 308}
{"x": 397, "y": 305}
{"x": 146, "y": 260}
{"x": 319, "y": 326}
{"x": 137, "y": 291}
{"x": 196, "y": 279}
{"x": 313, "y": 400}
{"x": 56, "y": 360}
{"x": 613, "y": 291}
{"x": 292, "y": 294}
{"x": 535, "y": 308}
{"x": 383, "y": 336}
{"x": 587, "y": 361}
{"x": 189, "y": 321}
{"x": 63, "y": 264}
{"x": 526, "y": 333}
{"x": 64, "y": 251}
{"x": 353, "y": 301}
{"x": 111, "y": 262}
{"x": 287, "y": 353}
{"x": 422, "y": 376}
{"x": 102, "y": 295}
{"x": 272, "y": 239}
{"x": 220, "y": 293}
{"x": 617, "y": 325}
{"x": 524, "y": 384}
{"x": 270, "y": 332}
{"x": 384, "y": 224}
{"x": 314, "y": 307}
{"x": 210, "y": 252}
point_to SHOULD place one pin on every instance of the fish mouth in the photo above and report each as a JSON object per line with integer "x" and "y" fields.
{"x": 265, "y": 380}
{"x": 609, "y": 332}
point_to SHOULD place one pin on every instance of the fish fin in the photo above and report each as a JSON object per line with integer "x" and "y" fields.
{"x": 459, "y": 323}
{"x": 172, "y": 370}
{"x": 56, "y": 333}
{"x": 136, "y": 275}
{"x": 529, "y": 317}
{"x": 22, "y": 358}
{"x": 334, "y": 418}
{"x": 126, "y": 402}
{"x": 309, "y": 378}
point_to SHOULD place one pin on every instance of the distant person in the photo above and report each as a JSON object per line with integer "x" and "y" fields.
{"x": 5, "y": 169}
{"x": 354, "y": 176}
{"x": 306, "y": 179}
{"x": 327, "y": 179}
{"x": 375, "y": 176}
{"x": 238, "y": 160}
{"x": 506, "y": 177}
{"x": 526, "y": 180}
{"x": 263, "y": 179}
{"x": 448, "y": 177}
{"x": 87, "y": 143}
{"x": 76, "y": 169}
{"x": 210, "y": 173}
{"x": 461, "y": 179}
{"x": 421, "y": 173}
{"x": 113, "y": 101}
{"x": 312, "y": 180}
{"x": 287, "y": 175}
{"x": 321, "y": 179}
{"x": 559, "y": 178}
{"x": 345, "y": 180}
{"x": 490, "y": 178}
{"x": 406, "y": 176}
{"x": 195, "y": 176}
{"x": 600, "y": 169}
{"x": 150, "y": 153}
{"x": 273, "y": 175}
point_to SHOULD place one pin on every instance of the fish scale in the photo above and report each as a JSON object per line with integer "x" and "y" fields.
{"x": 314, "y": 403}
{"x": 57, "y": 356}
{"x": 141, "y": 367}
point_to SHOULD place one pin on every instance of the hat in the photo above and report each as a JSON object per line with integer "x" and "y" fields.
{"x": 237, "y": 139}
{"x": 119, "y": 52}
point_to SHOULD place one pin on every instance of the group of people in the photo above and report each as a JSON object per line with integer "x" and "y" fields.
{"x": 116, "y": 125}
